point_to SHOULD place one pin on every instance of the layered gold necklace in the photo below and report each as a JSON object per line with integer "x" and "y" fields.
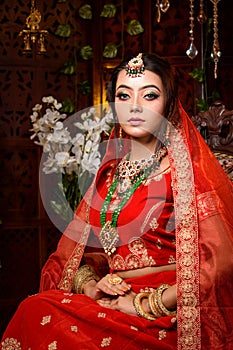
{"x": 129, "y": 176}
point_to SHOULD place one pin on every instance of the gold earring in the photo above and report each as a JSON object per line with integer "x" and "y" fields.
{"x": 166, "y": 140}
{"x": 120, "y": 133}
{"x": 120, "y": 138}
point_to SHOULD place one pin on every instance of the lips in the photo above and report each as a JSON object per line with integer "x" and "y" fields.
{"x": 135, "y": 121}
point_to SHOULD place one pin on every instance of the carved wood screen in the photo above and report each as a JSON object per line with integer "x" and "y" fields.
{"x": 27, "y": 236}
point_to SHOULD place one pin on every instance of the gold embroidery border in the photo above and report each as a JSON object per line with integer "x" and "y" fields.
{"x": 187, "y": 252}
{"x": 73, "y": 263}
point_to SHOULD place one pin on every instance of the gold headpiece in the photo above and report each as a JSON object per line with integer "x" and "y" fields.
{"x": 135, "y": 66}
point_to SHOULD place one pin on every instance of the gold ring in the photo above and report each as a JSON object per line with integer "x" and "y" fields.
{"x": 115, "y": 280}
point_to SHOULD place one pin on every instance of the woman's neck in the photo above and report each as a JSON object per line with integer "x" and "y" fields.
{"x": 142, "y": 149}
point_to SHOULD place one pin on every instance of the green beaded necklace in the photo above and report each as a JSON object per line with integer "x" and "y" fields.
{"x": 109, "y": 235}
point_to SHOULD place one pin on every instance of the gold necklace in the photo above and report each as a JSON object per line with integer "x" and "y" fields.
{"x": 109, "y": 235}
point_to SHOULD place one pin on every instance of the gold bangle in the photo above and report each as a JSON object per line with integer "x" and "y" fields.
{"x": 158, "y": 301}
{"x": 138, "y": 306}
{"x": 84, "y": 274}
{"x": 154, "y": 306}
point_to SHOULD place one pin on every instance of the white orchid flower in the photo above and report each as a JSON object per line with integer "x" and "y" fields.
{"x": 63, "y": 160}
{"x": 66, "y": 154}
{"x": 48, "y": 99}
{"x": 90, "y": 164}
{"x": 37, "y": 108}
{"x": 78, "y": 140}
{"x": 50, "y": 166}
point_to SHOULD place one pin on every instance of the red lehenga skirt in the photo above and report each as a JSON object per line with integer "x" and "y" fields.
{"x": 56, "y": 319}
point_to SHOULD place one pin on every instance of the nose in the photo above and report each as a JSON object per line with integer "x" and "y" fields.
{"x": 135, "y": 108}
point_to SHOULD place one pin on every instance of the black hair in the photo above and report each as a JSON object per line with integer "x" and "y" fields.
{"x": 159, "y": 66}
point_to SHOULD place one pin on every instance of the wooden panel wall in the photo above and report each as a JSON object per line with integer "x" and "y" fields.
{"x": 27, "y": 236}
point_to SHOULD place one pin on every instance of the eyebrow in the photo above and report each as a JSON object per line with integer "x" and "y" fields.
{"x": 142, "y": 88}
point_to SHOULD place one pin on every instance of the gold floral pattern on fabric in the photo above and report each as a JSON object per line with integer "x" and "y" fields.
{"x": 171, "y": 260}
{"x": 162, "y": 334}
{"x": 52, "y": 346}
{"x": 188, "y": 314}
{"x": 102, "y": 315}
{"x": 66, "y": 301}
{"x": 207, "y": 205}
{"x": 46, "y": 320}
{"x": 153, "y": 223}
{"x": 137, "y": 258}
{"x": 74, "y": 329}
{"x": 11, "y": 344}
{"x": 106, "y": 342}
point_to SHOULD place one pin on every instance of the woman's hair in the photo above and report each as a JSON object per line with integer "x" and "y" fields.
{"x": 159, "y": 66}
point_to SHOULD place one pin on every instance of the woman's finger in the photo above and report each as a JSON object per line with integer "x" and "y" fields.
{"x": 113, "y": 284}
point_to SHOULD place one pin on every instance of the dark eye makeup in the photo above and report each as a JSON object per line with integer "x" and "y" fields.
{"x": 152, "y": 95}
{"x": 122, "y": 95}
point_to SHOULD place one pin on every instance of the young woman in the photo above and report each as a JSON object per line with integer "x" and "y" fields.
{"x": 160, "y": 211}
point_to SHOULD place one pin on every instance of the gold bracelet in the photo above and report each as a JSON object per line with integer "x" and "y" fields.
{"x": 84, "y": 274}
{"x": 158, "y": 301}
{"x": 138, "y": 306}
{"x": 154, "y": 306}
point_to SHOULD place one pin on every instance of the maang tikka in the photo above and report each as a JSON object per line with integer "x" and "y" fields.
{"x": 135, "y": 66}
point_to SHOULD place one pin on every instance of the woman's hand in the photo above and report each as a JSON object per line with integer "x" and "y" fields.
{"x": 97, "y": 290}
{"x": 169, "y": 297}
{"x": 122, "y": 303}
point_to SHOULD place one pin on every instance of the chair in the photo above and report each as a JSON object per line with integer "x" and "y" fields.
{"x": 216, "y": 126}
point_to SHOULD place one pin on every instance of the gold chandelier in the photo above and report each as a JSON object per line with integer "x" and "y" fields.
{"x": 33, "y": 35}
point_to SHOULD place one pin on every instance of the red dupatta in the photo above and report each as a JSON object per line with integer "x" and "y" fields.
{"x": 203, "y": 196}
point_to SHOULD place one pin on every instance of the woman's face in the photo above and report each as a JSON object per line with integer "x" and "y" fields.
{"x": 139, "y": 104}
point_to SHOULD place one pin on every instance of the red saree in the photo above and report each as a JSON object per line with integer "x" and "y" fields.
{"x": 203, "y": 196}
{"x": 57, "y": 319}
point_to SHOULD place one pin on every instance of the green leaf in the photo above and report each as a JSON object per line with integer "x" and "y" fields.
{"x": 110, "y": 50}
{"x": 209, "y": 25}
{"x": 84, "y": 87}
{"x": 85, "y": 11}
{"x": 215, "y": 96}
{"x": 134, "y": 27}
{"x": 63, "y": 30}
{"x": 71, "y": 189}
{"x": 68, "y": 68}
{"x": 86, "y": 52}
{"x": 202, "y": 104}
{"x": 198, "y": 74}
{"x": 109, "y": 10}
{"x": 67, "y": 106}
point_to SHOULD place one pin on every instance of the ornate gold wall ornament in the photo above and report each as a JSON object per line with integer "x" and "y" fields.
{"x": 33, "y": 34}
{"x": 162, "y": 5}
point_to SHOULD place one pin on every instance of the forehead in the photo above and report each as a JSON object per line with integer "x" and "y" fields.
{"x": 148, "y": 78}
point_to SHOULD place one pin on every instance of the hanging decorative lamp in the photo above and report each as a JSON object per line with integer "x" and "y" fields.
{"x": 33, "y": 35}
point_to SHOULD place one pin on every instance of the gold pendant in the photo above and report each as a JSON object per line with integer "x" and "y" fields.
{"x": 109, "y": 237}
